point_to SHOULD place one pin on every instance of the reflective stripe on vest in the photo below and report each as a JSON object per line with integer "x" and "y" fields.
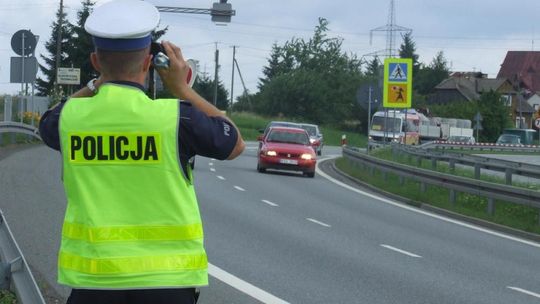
{"x": 132, "y": 219}
{"x": 132, "y": 265}
{"x": 132, "y": 233}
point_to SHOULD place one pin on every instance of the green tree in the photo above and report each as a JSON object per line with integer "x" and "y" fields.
{"x": 46, "y": 84}
{"x": 461, "y": 109}
{"x": 496, "y": 116}
{"x": 280, "y": 62}
{"x": 204, "y": 85}
{"x": 82, "y": 44}
{"x": 311, "y": 80}
{"x": 373, "y": 67}
{"x": 408, "y": 50}
{"x": 429, "y": 77}
{"x": 244, "y": 102}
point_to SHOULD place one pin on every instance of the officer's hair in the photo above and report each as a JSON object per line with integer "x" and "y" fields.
{"x": 121, "y": 64}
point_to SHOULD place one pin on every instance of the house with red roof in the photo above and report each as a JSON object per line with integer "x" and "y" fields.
{"x": 522, "y": 68}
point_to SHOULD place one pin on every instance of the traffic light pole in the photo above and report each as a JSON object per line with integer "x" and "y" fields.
{"x": 221, "y": 11}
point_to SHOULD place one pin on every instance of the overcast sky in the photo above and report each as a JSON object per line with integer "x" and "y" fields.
{"x": 473, "y": 34}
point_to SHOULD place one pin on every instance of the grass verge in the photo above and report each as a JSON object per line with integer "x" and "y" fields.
{"x": 7, "y": 297}
{"x": 508, "y": 214}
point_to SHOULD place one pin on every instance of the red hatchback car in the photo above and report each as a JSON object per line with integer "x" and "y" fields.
{"x": 285, "y": 148}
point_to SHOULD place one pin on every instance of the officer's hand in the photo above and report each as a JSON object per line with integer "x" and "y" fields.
{"x": 175, "y": 77}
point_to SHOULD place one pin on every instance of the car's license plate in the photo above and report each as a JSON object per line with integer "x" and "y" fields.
{"x": 288, "y": 161}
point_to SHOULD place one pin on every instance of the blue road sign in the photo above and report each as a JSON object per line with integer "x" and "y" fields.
{"x": 398, "y": 72}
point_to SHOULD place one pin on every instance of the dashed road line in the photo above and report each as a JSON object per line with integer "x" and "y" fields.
{"x": 530, "y": 293}
{"x": 212, "y": 169}
{"x": 210, "y": 164}
{"x": 270, "y": 203}
{"x": 239, "y": 188}
{"x": 318, "y": 222}
{"x": 245, "y": 287}
{"x": 220, "y": 177}
{"x": 401, "y": 251}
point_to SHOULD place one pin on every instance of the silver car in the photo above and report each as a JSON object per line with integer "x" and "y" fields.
{"x": 315, "y": 137}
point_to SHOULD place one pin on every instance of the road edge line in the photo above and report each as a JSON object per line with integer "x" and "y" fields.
{"x": 414, "y": 209}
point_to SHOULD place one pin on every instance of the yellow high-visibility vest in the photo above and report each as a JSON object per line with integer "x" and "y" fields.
{"x": 132, "y": 218}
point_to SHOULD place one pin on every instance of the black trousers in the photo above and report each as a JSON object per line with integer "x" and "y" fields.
{"x": 135, "y": 296}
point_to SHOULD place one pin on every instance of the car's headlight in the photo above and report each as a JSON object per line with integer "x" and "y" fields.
{"x": 271, "y": 153}
{"x": 306, "y": 156}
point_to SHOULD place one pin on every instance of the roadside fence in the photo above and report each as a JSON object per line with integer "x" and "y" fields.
{"x": 478, "y": 163}
{"x": 16, "y": 274}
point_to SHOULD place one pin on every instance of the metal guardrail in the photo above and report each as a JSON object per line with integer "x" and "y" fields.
{"x": 480, "y": 146}
{"x": 17, "y": 127}
{"x": 509, "y": 168}
{"x": 491, "y": 191}
{"x": 15, "y": 270}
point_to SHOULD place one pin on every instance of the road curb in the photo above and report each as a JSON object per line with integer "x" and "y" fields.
{"x": 333, "y": 171}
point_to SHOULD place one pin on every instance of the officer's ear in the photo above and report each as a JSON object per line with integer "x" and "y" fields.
{"x": 147, "y": 62}
{"x": 95, "y": 61}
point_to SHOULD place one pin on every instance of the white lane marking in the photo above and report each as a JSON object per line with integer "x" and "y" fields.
{"x": 401, "y": 251}
{"x": 239, "y": 188}
{"x": 210, "y": 164}
{"x": 536, "y": 295}
{"x": 243, "y": 286}
{"x": 212, "y": 170}
{"x": 318, "y": 222}
{"x": 220, "y": 177}
{"x": 333, "y": 155}
{"x": 213, "y": 159}
{"x": 270, "y": 203}
{"x": 413, "y": 209}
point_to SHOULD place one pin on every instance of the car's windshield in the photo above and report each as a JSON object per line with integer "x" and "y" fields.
{"x": 288, "y": 137}
{"x": 509, "y": 139}
{"x": 282, "y": 124}
{"x": 388, "y": 124}
{"x": 312, "y": 130}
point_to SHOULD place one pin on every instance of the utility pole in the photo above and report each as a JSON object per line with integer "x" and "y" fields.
{"x": 391, "y": 28}
{"x": 519, "y": 100}
{"x": 243, "y": 83}
{"x": 232, "y": 77}
{"x": 216, "y": 76}
{"x": 59, "y": 42}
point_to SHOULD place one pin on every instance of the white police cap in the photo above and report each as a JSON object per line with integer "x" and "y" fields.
{"x": 122, "y": 25}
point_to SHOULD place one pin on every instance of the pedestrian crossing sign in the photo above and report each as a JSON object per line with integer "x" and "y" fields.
{"x": 398, "y": 72}
{"x": 397, "y": 89}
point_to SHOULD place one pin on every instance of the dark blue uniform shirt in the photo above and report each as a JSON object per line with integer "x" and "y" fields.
{"x": 199, "y": 134}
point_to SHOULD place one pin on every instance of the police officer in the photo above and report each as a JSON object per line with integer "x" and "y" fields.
{"x": 132, "y": 231}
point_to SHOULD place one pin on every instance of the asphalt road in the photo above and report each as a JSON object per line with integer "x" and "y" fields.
{"x": 281, "y": 237}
